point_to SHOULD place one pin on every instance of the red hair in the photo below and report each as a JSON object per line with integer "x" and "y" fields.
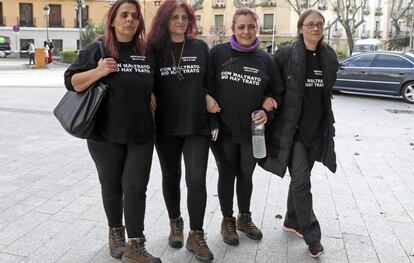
{"x": 159, "y": 33}
{"x": 109, "y": 37}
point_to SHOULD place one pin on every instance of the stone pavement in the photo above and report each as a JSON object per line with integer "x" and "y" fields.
{"x": 51, "y": 211}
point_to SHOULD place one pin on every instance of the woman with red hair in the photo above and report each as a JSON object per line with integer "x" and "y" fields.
{"x": 122, "y": 142}
{"x": 181, "y": 118}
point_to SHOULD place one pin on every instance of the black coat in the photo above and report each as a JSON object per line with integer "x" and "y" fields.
{"x": 291, "y": 60}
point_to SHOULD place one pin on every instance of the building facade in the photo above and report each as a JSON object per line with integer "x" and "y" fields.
{"x": 60, "y": 22}
{"x": 214, "y": 17}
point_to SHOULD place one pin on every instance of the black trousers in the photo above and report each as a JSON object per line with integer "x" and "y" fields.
{"x": 123, "y": 171}
{"x": 300, "y": 213}
{"x": 195, "y": 151}
{"x": 234, "y": 160}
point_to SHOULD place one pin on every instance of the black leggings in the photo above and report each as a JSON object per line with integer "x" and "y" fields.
{"x": 234, "y": 160}
{"x": 123, "y": 171}
{"x": 195, "y": 151}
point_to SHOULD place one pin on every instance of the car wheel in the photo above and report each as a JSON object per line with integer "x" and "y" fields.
{"x": 408, "y": 92}
{"x": 2, "y": 54}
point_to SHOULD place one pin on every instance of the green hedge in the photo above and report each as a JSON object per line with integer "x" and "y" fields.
{"x": 69, "y": 56}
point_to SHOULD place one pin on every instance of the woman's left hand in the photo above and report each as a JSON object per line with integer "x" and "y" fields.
{"x": 259, "y": 117}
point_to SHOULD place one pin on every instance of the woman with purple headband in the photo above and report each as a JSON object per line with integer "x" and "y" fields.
{"x": 243, "y": 76}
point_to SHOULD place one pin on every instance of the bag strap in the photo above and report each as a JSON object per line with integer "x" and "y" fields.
{"x": 101, "y": 47}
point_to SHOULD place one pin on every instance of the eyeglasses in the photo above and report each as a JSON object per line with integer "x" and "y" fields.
{"x": 180, "y": 73}
{"x": 312, "y": 25}
{"x": 249, "y": 27}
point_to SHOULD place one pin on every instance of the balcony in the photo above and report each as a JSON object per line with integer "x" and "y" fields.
{"x": 218, "y": 30}
{"x": 378, "y": 34}
{"x": 85, "y": 22}
{"x": 378, "y": 11}
{"x": 266, "y": 30}
{"x": 365, "y": 34}
{"x": 57, "y": 23}
{"x": 218, "y": 5}
{"x": 265, "y": 3}
{"x": 29, "y": 22}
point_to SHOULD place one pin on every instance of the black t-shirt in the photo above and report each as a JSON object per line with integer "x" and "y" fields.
{"x": 312, "y": 109}
{"x": 181, "y": 104}
{"x": 125, "y": 115}
{"x": 239, "y": 83}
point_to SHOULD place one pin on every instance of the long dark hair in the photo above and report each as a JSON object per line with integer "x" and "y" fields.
{"x": 109, "y": 37}
{"x": 159, "y": 34}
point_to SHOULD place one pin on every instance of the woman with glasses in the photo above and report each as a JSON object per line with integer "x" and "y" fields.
{"x": 181, "y": 118}
{"x": 123, "y": 139}
{"x": 303, "y": 130}
{"x": 243, "y": 76}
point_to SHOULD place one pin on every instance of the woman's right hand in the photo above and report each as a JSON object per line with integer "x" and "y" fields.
{"x": 106, "y": 66}
{"x": 212, "y": 105}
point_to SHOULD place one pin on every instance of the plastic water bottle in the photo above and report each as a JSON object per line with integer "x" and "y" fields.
{"x": 258, "y": 140}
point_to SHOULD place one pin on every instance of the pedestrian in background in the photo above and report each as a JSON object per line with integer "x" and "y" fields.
{"x": 303, "y": 130}
{"x": 181, "y": 118}
{"x": 123, "y": 140}
{"x": 46, "y": 51}
{"x": 31, "y": 51}
{"x": 242, "y": 75}
{"x": 51, "y": 49}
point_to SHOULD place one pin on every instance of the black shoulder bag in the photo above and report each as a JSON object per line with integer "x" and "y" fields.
{"x": 77, "y": 111}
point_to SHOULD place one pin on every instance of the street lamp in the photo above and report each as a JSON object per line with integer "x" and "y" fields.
{"x": 46, "y": 10}
{"x": 79, "y": 4}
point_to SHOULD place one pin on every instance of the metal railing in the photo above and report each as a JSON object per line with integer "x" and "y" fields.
{"x": 57, "y": 23}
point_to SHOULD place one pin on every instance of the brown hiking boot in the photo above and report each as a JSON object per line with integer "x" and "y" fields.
{"x": 228, "y": 231}
{"x": 176, "y": 238}
{"x": 116, "y": 242}
{"x": 135, "y": 252}
{"x": 244, "y": 223}
{"x": 196, "y": 243}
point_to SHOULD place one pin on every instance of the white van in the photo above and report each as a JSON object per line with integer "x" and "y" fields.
{"x": 369, "y": 44}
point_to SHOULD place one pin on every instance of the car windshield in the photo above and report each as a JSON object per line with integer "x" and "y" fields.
{"x": 363, "y": 48}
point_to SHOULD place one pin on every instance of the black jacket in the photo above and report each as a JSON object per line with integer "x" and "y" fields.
{"x": 291, "y": 60}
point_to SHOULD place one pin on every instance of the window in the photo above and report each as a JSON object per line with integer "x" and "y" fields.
{"x": 2, "y": 22}
{"x": 218, "y": 21}
{"x": 55, "y": 16}
{"x": 390, "y": 61}
{"x": 24, "y": 46}
{"x": 268, "y": 21}
{"x": 26, "y": 14}
{"x": 157, "y": 3}
{"x": 85, "y": 16}
{"x": 360, "y": 61}
{"x": 58, "y": 43}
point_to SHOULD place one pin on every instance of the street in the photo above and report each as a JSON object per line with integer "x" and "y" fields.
{"x": 51, "y": 208}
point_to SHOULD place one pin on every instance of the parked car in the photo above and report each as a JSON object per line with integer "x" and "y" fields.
{"x": 5, "y": 46}
{"x": 381, "y": 72}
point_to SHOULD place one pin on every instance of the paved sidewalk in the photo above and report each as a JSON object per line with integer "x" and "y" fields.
{"x": 51, "y": 209}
